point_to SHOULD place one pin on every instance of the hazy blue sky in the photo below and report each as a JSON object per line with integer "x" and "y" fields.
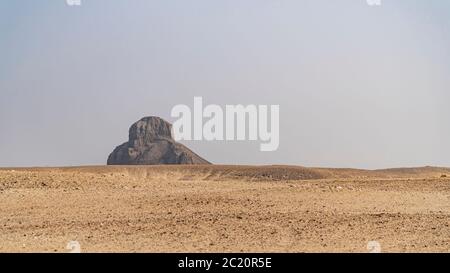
{"x": 358, "y": 86}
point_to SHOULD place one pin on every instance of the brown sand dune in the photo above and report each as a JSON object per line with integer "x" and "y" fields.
{"x": 224, "y": 208}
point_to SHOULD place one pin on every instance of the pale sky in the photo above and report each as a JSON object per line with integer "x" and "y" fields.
{"x": 358, "y": 86}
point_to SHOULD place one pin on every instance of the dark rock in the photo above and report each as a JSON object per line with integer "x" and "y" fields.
{"x": 150, "y": 143}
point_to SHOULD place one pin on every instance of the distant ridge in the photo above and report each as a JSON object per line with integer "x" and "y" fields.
{"x": 253, "y": 173}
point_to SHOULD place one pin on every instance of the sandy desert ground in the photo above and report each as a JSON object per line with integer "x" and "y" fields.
{"x": 224, "y": 209}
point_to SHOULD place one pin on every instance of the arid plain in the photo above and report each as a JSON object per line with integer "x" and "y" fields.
{"x": 224, "y": 209}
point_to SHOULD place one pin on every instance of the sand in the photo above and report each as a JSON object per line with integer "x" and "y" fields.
{"x": 224, "y": 209}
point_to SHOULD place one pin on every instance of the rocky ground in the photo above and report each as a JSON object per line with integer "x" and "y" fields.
{"x": 224, "y": 209}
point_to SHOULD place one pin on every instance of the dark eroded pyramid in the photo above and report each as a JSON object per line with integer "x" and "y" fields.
{"x": 150, "y": 143}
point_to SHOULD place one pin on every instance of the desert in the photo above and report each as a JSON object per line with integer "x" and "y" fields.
{"x": 214, "y": 208}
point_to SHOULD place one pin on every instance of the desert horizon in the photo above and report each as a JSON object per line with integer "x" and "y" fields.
{"x": 392, "y": 168}
{"x": 217, "y": 208}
